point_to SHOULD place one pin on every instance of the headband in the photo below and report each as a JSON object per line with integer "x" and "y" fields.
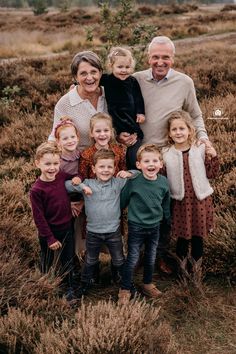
{"x": 64, "y": 123}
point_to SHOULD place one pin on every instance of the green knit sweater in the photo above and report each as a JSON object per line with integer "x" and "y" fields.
{"x": 148, "y": 201}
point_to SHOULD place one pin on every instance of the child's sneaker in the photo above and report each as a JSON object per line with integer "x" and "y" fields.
{"x": 124, "y": 297}
{"x": 151, "y": 291}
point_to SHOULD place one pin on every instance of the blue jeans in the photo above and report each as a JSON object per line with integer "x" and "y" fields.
{"x": 94, "y": 241}
{"x": 137, "y": 236}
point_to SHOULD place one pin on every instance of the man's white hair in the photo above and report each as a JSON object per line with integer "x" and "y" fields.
{"x": 162, "y": 40}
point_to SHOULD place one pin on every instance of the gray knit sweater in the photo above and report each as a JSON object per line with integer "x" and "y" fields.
{"x": 102, "y": 208}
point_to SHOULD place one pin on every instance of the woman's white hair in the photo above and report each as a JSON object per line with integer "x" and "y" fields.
{"x": 162, "y": 40}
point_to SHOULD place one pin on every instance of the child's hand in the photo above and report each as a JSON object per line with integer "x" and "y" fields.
{"x": 76, "y": 208}
{"x": 124, "y": 174}
{"x": 210, "y": 152}
{"x": 55, "y": 246}
{"x": 75, "y": 181}
{"x": 87, "y": 190}
{"x": 140, "y": 118}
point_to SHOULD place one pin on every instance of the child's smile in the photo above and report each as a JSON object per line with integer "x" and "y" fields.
{"x": 104, "y": 169}
{"x": 49, "y": 165}
{"x": 101, "y": 133}
{"x": 150, "y": 164}
{"x": 179, "y": 133}
{"x": 68, "y": 139}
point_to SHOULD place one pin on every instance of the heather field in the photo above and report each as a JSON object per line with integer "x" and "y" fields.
{"x": 189, "y": 318}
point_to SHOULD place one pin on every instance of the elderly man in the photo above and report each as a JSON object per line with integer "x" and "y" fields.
{"x": 165, "y": 90}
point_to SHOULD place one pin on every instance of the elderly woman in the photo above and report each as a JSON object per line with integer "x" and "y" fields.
{"x": 80, "y": 104}
{"x": 85, "y": 99}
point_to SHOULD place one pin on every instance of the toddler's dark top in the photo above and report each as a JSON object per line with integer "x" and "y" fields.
{"x": 124, "y": 101}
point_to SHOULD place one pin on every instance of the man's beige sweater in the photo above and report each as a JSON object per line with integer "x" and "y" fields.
{"x": 160, "y": 99}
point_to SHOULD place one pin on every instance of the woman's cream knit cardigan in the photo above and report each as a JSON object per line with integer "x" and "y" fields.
{"x": 174, "y": 167}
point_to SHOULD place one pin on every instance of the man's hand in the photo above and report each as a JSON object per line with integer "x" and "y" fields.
{"x": 204, "y": 141}
{"x": 140, "y": 118}
{"x": 75, "y": 181}
{"x": 127, "y": 138}
{"x": 55, "y": 246}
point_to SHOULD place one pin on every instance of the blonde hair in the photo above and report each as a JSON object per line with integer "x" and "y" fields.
{"x": 65, "y": 122}
{"x": 186, "y": 118}
{"x": 119, "y": 52}
{"x": 49, "y": 147}
{"x": 103, "y": 154}
{"x": 99, "y": 117}
{"x": 148, "y": 148}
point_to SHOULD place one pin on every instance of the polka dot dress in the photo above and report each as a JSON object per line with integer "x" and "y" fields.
{"x": 192, "y": 217}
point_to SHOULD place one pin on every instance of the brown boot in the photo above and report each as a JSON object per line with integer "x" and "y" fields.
{"x": 124, "y": 297}
{"x": 151, "y": 291}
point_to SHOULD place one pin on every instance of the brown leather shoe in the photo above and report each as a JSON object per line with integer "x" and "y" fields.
{"x": 124, "y": 297}
{"x": 151, "y": 291}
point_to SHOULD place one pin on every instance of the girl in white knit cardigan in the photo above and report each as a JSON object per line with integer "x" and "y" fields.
{"x": 188, "y": 167}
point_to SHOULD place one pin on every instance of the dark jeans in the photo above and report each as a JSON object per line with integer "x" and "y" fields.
{"x": 137, "y": 236}
{"x": 131, "y": 155}
{"x": 182, "y": 247}
{"x": 65, "y": 255}
{"x": 94, "y": 242}
{"x": 164, "y": 240}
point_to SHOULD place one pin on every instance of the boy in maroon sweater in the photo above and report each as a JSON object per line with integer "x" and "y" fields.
{"x": 52, "y": 213}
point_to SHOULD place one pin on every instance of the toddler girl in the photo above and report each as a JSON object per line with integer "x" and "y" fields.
{"x": 188, "y": 168}
{"x": 102, "y": 135}
{"x": 124, "y": 99}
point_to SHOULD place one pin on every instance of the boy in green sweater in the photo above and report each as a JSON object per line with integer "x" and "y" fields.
{"x": 148, "y": 200}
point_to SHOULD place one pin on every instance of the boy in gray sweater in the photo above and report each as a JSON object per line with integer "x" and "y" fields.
{"x": 102, "y": 209}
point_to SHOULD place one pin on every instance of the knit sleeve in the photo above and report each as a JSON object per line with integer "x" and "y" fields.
{"x": 103, "y": 80}
{"x": 125, "y": 195}
{"x": 192, "y": 107}
{"x": 138, "y": 98}
{"x": 166, "y": 206}
{"x": 212, "y": 167}
{"x": 72, "y": 188}
{"x": 39, "y": 217}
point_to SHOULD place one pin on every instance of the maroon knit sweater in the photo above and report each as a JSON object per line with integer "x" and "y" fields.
{"x": 51, "y": 206}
